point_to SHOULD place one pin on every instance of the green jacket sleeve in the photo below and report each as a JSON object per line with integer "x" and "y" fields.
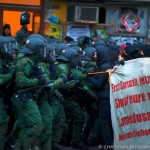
{"x": 78, "y": 75}
{"x": 23, "y": 70}
{"x": 61, "y": 70}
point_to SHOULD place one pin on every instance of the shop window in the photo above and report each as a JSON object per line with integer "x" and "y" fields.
{"x": 13, "y": 18}
{"x": 102, "y": 15}
{"x": 36, "y": 24}
{"x": 71, "y": 13}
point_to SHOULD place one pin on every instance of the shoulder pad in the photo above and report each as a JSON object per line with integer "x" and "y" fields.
{"x": 23, "y": 62}
{"x": 44, "y": 64}
{"x": 62, "y": 69}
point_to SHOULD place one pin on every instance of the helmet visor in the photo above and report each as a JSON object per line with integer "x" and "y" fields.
{"x": 14, "y": 43}
{"x": 52, "y": 55}
{"x": 6, "y": 48}
{"x": 42, "y": 51}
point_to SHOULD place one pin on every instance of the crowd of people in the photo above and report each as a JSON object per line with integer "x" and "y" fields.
{"x": 51, "y": 96}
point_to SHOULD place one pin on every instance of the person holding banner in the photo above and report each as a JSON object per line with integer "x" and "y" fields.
{"x": 102, "y": 84}
{"x": 128, "y": 52}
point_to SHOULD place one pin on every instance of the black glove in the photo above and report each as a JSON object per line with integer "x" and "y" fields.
{"x": 42, "y": 80}
{"x": 49, "y": 86}
{"x": 64, "y": 78}
{"x": 38, "y": 69}
{"x": 122, "y": 62}
{"x": 78, "y": 82}
{"x": 88, "y": 71}
{"x": 59, "y": 96}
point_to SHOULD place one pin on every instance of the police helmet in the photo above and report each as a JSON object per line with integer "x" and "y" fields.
{"x": 89, "y": 53}
{"x": 109, "y": 41}
{"x": 67, "y": 54}
{"x": 12, "y": 40}
{"x": 35, "y": 46}
{"x": 73, "y": 43}
{"x": 96, "y": 43}
{"x": 37, "y": 36}
{"x": 59, "y": 47}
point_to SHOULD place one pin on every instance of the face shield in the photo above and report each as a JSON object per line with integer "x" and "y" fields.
{"x": 6, "y": 48}
{"x": 15, "y": 50}
{"x": 51, "y": 57}
{"x": 83, "y": 61}
{"x": 75, "y": 61}
{"x": 42, "y": 51}
{"x": 14, "y": 43}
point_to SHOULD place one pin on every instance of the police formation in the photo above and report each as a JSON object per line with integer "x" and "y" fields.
{"x": 48, "y": 99}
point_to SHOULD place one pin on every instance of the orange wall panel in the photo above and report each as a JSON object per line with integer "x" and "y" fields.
{"x": 22, "y": 2}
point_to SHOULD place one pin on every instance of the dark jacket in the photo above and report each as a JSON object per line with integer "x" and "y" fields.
{"x": 101, "y": 80}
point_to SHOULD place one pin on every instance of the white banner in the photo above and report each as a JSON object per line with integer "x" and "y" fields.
{"x": 130, "y": 105}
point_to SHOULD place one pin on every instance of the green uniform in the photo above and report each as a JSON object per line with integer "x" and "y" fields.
{"x": 5, "y": 78}
{"x": 59, "y": 117}
{"x": 86, "y": 96}
{"x": 16, "y": 128}
{"x": 59, "y": 121}
{"x": 29, "y": 117}
{"x": 72, "y": 108}
{"x": 46, "y": 113}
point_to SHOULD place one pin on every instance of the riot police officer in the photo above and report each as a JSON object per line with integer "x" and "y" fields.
{"x": 7, "y": 70}
{"x": 68, "y": 60}
{"x": 29, "y": 75}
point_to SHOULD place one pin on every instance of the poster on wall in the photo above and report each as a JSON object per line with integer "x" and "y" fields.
{"x": 98, "y": 32}
{"x": 77, "y": 30}
{"x": 128, "y": 19}
{"x": 53, "y": 30}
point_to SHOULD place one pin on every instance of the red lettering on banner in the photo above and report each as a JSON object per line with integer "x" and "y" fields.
{"x": 131, "y": 99}
{"x": 137, "y": 98}
{"x": 144, "y": 80}
{"x": 148, "y": 115}
{"x": 134, "y": 118}
{"x": 122, "y": 85}
{"x": 148, "y": 94}
{"x": 134, "y": 134}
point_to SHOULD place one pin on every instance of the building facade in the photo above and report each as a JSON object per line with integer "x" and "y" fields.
{"x": 10, "y": 12}
{"x": 128, "y": 19}
{"x": 102, "y": 18}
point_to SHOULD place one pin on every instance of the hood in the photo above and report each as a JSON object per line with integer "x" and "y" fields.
{"x": 103, "y": 54}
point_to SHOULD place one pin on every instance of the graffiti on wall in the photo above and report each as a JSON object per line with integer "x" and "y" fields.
{"x": 98, "y": 32}
{"x": 53, "y": 30}
{"x": 123, "y": 40}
